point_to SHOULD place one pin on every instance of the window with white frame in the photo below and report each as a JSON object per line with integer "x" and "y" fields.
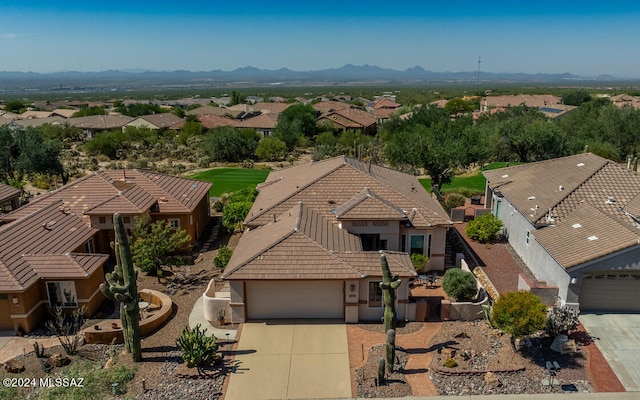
{"x": 375, "y": 294}
{"x": 62, "y": 294}
{"x": 174, "y": 222}
{"x": 89, "y": 246}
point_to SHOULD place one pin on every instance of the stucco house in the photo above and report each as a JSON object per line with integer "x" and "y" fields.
{"x": 575, "y": 222}
{"x": 157, "y": 122}
{"x": 56, "y": 245}
{"x": 313, "y": 237}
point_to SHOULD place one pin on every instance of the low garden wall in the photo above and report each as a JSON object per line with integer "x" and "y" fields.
{"x": 159, "y": 310}
{"x": 213, "y": 303}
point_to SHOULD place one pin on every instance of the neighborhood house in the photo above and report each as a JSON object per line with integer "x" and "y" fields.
{"x": 314, "y": 236}
{"x": 575, "y": 222}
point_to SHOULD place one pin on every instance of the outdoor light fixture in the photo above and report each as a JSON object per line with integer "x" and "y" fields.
{"x": 15, "y": 299}
{"x": 574, "y": 280}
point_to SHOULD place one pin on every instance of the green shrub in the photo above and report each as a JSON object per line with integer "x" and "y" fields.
{"x": 270, "y": 148}
{"x": 484, "y": 228}
{"x": 419, "y": 261}
{"x": 198, "y": 349}
{"x": 519, "y": 314}
{"x": 459, "y": 284}
{"x": 223, "y": 257}
{"x": 121, "y": 374}
{"x": 454, "y": 200}
{"x": 234, "y": 214}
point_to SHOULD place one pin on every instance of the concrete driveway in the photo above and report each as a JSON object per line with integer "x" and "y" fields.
{"x": 291, "y": 360}
{"x": 618, "y": 339}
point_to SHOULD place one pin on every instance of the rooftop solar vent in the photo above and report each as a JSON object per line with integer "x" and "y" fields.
{"x": 580, "y": 164}
{"x": 576, "y": 226}
{"x": 592, "y": 238}
{"x": 531, "y": 198}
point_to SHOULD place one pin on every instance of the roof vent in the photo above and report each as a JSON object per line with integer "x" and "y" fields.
{"x": 592, "y": 238}
{"x": 580, "y": 164}
{"x": 194, "y": 185}
{"x": 576, "y": 226}
{"x": 610, "y": 200}
{"x": 561, "y": 188}
{"x": 49, "y": 225}
{"x": 163, "y": 199}
{"x": 531, "y": 198}
{"x": 505, "y": 176}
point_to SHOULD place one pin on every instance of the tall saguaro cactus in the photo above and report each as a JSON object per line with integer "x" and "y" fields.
{"x": 121, "y": 287}
{"x": 389, "y": 285}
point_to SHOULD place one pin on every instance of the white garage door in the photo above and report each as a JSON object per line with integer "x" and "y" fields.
{"x": 610, "y": 291}
{"x": 295, "y": 299}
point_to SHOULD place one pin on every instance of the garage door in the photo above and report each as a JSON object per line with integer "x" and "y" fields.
{"x": 610, "y": 291}
{"x": 295, "y": 299}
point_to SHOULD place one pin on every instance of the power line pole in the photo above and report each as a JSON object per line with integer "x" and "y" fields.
{"x": 478, "y": 78}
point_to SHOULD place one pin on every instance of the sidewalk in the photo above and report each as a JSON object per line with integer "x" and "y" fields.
{"x": 13, "y": 346}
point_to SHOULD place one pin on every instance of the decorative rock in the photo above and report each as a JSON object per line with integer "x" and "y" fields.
{"x": 557, "y": 343}
{"x": 108, "y": 364}
{"x": 448, "y": 352}
{"x": 462, "y": 335}
{"x": 58, "y": 360}
{"x": 492, "y": 380}
{"x": 13, "y": 367}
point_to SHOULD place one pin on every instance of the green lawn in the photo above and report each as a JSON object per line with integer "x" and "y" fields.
{"x": 471, "y": 183}
{"x": 227, "y": 180}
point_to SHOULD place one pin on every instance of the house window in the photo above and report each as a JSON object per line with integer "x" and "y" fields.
{"x": 102, "y": 220}
{"x": 89, "y": 246}
{"x": 375, "y": 294}
{"x": 175, "y": 223}
{"x": 403, "y": 243}
{"x": 62, "y": 293}
{"x": 417, "y": 244}
{"x": 526, "y": 240}
{"x": 429, "y": 246}
{"x": 126, "y": 220}
{"x": 370, "y": 242}
{"x": 383, "y": 244}
{"x": 4, "y": 296}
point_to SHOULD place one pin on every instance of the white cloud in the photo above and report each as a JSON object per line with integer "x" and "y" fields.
{"x": 8, "y": 36}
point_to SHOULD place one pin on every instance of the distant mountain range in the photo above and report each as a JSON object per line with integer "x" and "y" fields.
{"x": 347, "y": 74}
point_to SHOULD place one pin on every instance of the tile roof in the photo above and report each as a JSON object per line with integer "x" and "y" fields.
{"x": 8, "y": 192}
{"x": 160, "y": 120}
{"x": 36, "y": 122}
{"x": 104, "y": 190}
{"x": 544, "y": 184}
{"x": 64, "y": 112}
{"x": 328, "y": 184}
{"x": 65, "y": 266}
{"x": 133, "y": 200}
{"x": 213, "y": 121}
{"x": 350, "y": 118}
{"x": 586, "y": 234}
{"x": 270, "y": 107}
{"x": 262, "y": 121}
{"x": 302, "y": 244}
{"x": 329, "y": 106}
{"x": 100, "y": 122}
{"x": 208, "y": 110}
{"x": 34, "y": 114}
{"x": 50, "y": 230}
{"x": 385, "y": 103}
{"x": 368, "y": 205}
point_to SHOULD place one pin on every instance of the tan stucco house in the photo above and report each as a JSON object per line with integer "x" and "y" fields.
{"x": 311, "y": 248}
{"x": 56, "y": 245}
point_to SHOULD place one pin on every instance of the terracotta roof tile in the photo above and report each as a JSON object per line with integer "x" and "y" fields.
{"x": 134, "y": 200}
{"x": 213, "y": 121}
{"x": 586, "y": 234}
{"x": 64, "y": 266}
{"x": 262, "y": 121}
{"x": 326, "y": 185}
{"x": 50, "y": 230}
{"x": 368, "y": 205}
{"x": 161, "y": 120}
{"x": 99, "y": 122}
{"x": 301, "y": 244}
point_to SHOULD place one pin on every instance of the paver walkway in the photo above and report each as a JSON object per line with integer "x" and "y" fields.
{"x": 416, "y": 344}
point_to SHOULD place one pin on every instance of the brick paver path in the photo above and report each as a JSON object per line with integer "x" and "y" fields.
{"x": 417, "y": 345}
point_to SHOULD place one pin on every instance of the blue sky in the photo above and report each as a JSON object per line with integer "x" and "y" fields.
{"x": 582, "y": 37}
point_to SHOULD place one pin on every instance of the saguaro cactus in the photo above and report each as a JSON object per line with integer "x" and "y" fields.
{"x": 389, "y": 285}
{"x": 121, "y": 287}
{"x": 381, "y": 379}
{"x": 391, "y": 349}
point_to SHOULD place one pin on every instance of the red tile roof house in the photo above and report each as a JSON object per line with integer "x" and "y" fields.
{"x": 59, "y": 241}
{"x": 575, "y": 222}
{"x": 311, "y": 248}
{"x": 350, "y": 118}
{"x": 157, "y": 121}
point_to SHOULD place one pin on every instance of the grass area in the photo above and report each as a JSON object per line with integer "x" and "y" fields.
{"x": 468, "y": 184}
{"x": 227, "y": 180}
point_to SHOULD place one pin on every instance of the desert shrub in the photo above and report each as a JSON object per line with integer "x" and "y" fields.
{"x": 450, "y": 363}
{"x": 519, "y": 314}
{"x": 270, "y": 148}
{"x": 223, "y": 257}
{"x": 67, "y": 329}
{"x": 120, "y": 375}
{"x": 419, "y": 261}
{"x": 454, "y": 200}
{"x": 561, "y": 320}
{"x": 459, "y": 284}
{"x": 484, "y": 228}
{"x": 198, "y": 349}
